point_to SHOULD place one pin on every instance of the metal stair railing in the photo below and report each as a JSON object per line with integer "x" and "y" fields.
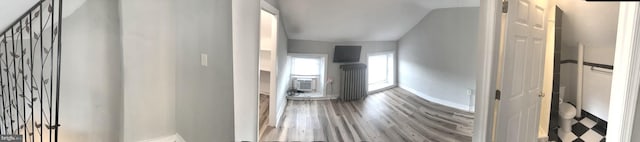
{"x": 30, "y": 55}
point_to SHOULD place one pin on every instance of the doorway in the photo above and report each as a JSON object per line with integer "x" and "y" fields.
{"x": 268, "y": 68}
{"x": 580, "y": 66}
{"x": 624, "y": 78}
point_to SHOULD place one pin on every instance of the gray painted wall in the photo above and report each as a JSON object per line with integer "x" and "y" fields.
{"x": 333, "y": 69}
{"x": 91, "y": 101}
{"x": 274, "y": 3}
{"x": 204, "y": 95}
{"x": 437, "y": 57}
{"x": 149, "y": 69}
{"x": 121, "y": 73}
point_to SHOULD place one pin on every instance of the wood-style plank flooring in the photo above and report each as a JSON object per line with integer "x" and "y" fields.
{"x": 394, "y": 115}
{"x": 264, "y": 112}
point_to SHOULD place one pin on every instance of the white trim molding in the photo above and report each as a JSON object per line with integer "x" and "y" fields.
{"x": 626, "y": 75}
{"x": 179, "y": 138}
{"x": 488, "y": 51}
{"x": 381, "y": 89}
{"x": 437, "y": 100}
{"x": 245, "y": 20}
{"x": 280, "y": 112}
{"x": 171, "y": 138}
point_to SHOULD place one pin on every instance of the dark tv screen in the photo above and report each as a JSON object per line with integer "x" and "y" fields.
{"x": 346, "y": 54}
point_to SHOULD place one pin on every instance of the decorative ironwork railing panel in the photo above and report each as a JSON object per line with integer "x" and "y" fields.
{"x": 30, "y": 53}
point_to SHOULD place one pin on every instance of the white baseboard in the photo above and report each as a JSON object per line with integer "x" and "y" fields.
{"x": 439, "y": 101}
{"x": 280, "y": 111}
{"x": 171, "y": 138}
{"x": 381, "y": 89}
{"x": 179, "y": 138}
{"x": 312, "y": 98}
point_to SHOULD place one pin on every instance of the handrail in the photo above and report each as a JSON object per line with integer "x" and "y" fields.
{"x": 598, "y": 65}
{"x": 30, "y": 77}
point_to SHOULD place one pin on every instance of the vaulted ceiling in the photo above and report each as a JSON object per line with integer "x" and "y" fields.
{"x": 357, "y": 20}
{"x": 10, "y": 10}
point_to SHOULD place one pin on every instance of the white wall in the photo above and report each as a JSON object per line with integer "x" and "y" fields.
{"x": 204, "y": 94}
{"x": 91, "y": 94}
{"x": 246, "y": 27}
{"x": 333, "y": 69}
{"x": 149, "y": 69}
{"x": 284, "y": 76}
{"x": 580, "y": 22}
{"x": 437, "y": 57}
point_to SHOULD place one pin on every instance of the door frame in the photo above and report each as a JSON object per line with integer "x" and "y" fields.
{"x": 488, "y": 52}
{"x": 272, "y": 114}
{"x": 626, "y": 76}
{"x": 273, "y": 76}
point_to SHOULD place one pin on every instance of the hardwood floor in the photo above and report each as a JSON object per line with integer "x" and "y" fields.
{"x": 264, "y": 112}
{"x": 393, "y": 115}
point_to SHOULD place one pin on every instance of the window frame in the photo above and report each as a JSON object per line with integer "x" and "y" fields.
{"x": 391, "y": 80}
{"x": 322, "y": 78}
{"x": 386, "y": 78}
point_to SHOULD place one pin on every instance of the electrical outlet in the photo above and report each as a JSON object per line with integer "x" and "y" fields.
{"x": 203, "y": 60}
{"x": 469, "y": 92}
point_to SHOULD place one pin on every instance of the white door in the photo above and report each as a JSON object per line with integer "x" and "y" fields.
{"x": 522, "y": 69}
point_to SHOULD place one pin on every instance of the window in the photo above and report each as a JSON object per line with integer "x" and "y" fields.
{"x": 380, "y": 69}
{"x": 306, "y": 66}
{"x": 308, "y": 73}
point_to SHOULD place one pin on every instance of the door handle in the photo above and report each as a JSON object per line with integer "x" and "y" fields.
{"x": 541, "y": 95}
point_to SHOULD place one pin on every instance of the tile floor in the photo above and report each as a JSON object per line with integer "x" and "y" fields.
{"x": 582, "y": 131}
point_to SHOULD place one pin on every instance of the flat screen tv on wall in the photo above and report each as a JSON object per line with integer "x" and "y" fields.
{"x": 346, "y": 54}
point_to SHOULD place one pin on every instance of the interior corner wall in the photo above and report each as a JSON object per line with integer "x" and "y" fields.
{"x": 91, "y": 96}
{"x": 149, "y": 58}
{"x": 327, "y": 47}
{"x": 437, "y": 57}
{"x": 204, "y": 94}
{"x": 245, "y": 30}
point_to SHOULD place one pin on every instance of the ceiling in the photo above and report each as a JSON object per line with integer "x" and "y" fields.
{"x": 10, "y": 10}
{"x": 357, "y": 20}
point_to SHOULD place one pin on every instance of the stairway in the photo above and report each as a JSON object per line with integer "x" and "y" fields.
{"x": 30, "y": 53}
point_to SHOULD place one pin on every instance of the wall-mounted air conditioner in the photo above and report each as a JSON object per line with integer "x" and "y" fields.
{"x": 305, "y": 84}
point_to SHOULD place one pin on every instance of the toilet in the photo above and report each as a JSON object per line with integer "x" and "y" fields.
{"x": 566, "y": 112}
